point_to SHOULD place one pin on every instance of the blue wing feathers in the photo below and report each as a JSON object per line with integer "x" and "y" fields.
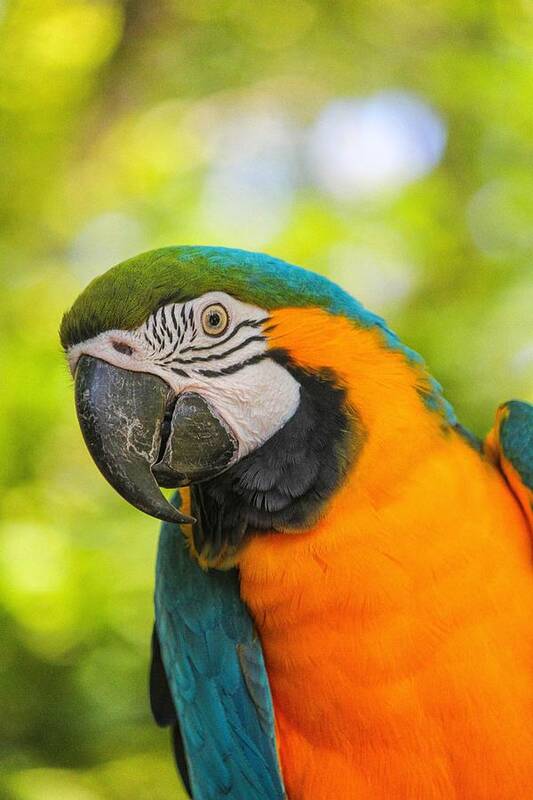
{"x": 516, "y": 439}
{"x": 254, "y": 671}
{"x": 217, "y": 678}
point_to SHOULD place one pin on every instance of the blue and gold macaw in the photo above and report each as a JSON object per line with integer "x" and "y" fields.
{"x": 344, "y": 586}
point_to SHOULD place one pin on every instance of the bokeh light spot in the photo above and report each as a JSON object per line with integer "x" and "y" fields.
{"x": 361, "y": 147}
{"x": 33, "y": 557}
{"x": 104, "y": 241}
{"x": 248, "y": 190}
{"x": 79, "y": 35}
{"x": 500, "y": 217}
{"x": 50, "y": 784}
{"x": 377, "y": 280}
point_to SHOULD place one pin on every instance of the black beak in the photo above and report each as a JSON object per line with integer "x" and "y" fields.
{"x": 141, "y": 437}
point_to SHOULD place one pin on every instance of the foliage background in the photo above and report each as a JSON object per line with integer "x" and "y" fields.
{"x": 385, "y": 143}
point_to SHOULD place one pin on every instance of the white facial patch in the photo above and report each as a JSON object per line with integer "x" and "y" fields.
{"x": 252, "y": 393}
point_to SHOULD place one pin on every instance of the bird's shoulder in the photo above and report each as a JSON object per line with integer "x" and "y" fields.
{"x": 511, "y": 444}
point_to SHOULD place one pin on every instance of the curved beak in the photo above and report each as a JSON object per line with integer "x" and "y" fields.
{"x": 141, "y": 438}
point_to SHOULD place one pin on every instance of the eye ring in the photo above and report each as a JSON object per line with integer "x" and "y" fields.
{"x": 215, "y": 319}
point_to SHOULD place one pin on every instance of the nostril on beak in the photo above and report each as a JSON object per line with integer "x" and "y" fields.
{"x": 122, "y": 347}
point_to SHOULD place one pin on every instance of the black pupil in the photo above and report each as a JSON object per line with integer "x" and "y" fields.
{"x": 214, "y": 319}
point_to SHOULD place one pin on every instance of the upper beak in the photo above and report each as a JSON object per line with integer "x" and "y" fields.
{"x": 138, "y": 434}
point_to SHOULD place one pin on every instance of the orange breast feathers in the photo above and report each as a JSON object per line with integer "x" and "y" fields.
{"x": 397, "y": 630}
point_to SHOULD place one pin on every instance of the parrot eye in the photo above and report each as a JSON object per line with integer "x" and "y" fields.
{"x": 215, "y": 319}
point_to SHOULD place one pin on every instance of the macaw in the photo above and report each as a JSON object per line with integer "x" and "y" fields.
{"x": 344, "y": 588}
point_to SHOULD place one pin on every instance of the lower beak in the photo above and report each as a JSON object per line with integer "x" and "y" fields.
{"x": 141, "y": 437}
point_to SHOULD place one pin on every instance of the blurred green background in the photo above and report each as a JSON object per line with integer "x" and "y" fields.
{"x": 387, "y": 144}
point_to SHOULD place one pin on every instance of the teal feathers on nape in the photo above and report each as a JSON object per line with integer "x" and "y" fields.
{"x": 214, "y": 668}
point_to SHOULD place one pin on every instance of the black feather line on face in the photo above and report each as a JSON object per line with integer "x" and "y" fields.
{"x": 152, "y": 330}
{"x": 156, "y": 323}
{"x": 248, "y": 323}
{"x": 173, "y": 316}
{"x": 286, "y": 482}
{"x": 168, "y": 358}
{"x": 231, "y": 370}
{"x": 164, "y": 327}
{"x": 215, "y": 356}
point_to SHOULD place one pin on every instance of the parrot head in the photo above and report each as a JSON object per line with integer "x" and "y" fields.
{"x": 259, "y": 381}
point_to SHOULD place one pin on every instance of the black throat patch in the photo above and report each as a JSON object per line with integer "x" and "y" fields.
{"x": 283, "y": 484}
